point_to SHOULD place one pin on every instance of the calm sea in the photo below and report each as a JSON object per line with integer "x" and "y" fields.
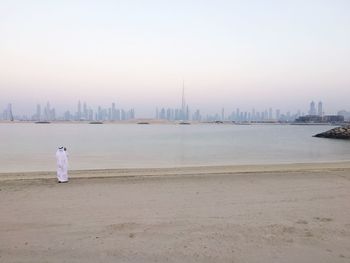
{"x": 32, "y": 147}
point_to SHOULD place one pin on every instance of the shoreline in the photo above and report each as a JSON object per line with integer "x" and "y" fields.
{"x": 177, "y": 122}
{"x": 182, "y": 171}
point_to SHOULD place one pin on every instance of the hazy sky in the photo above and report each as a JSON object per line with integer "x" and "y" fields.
{"x": 230, "y": 53}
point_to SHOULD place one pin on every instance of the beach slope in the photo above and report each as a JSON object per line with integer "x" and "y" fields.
{"x": 300, "y": 215}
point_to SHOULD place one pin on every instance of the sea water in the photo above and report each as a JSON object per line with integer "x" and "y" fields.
{"x": 32, "y": 147}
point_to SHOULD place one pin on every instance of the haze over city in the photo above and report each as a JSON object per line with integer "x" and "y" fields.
{"x": 245, "y": 54}
{"x": 175, "y": 131}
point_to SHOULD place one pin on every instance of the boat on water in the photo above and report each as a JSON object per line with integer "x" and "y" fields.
{"x": 95, "y": 122}
{"x": 184, "y": 123}
{"x": 42, "y": 122}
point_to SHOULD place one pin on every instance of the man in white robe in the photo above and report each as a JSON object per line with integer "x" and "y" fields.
{"x": 62, "y": 165}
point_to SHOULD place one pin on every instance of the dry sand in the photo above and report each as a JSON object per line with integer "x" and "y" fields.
{"x": 285, "y": 213}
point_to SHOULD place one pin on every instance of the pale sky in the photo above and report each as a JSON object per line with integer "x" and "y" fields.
{"x": 246, "y": 54}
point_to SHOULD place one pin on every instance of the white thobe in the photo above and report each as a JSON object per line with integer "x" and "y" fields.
{"x": 62, "y": 165}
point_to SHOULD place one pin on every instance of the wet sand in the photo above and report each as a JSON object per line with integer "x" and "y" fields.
{"x": 284, "y": 213}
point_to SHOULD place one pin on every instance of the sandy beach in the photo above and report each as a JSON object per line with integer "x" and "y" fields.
{"x": 270, "y": 213}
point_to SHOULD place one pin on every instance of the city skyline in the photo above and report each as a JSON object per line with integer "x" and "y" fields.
{"x": 182, "y": 112}
{"x": 146, "y": 111}
{"x": 243, "y": 53}
{"x": 113, "y": 112}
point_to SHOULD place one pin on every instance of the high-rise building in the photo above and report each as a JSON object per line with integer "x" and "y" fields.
{"x": 123, "y": 115}
{"x": 162, "y": 114}
{"x": 187, "y": 113}
{"x": 170, "y": 114}
{"x": 184, "y": 108}
{"x": 109, "y": 114}
{"x": 7, "y": 114}
{"x": 131, "y": 114}
{"x": 177, "y": 114}
{"x": 85, "y": 111}
{"x": 157, "y": 114}
{"x": 312, "y": 110}
{"x": 79, "y": 111}
{"x": 99, "y": 113}
{"x": 91, "y": 115}
{"x": 197, "y": 116}
{"x": 118, "y": 115}
{"x": 67, "y": 116}
{"x": 238, "y": 115}
{"x": 38, "y": 112}
{"x": 320, "y": 109}
{"x": 53, "y": 114}
{"x": 278, "y": 114}
{"x": 47, "y": 112}
{"x": 114, "y": 112}
{"x": 253, "y": 117}
{"x": 183, "y": 103}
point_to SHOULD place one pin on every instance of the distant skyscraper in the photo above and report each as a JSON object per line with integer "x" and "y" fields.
{"x": 312, "y": 110}
{"x": 123, "y": 115}
{"x": 114, "y": 112}
{"x": 197, "y": 116}
{"x": 99, "y": 113}
{"x": 187, "y": 113}
{"x": 85, "y": 111}
{"x": 270, "y": 114}
{"x": 79, "y": 111}
{"x": 91, "y": 114}
{"x": 47, "y": 112}
{"x": 278, "y": 114}
{"x": 109, "y": 114}
{"x": 183, "y": 103}
{"x": 8, "y": 115}
{"x": 67, "y": 116}
{"x": 320, "y": 109}
{"x": 38, "y": 112}
{"x": 177, "y": 114}
{"x": 157, "y": 114}
{"x": 53, "y": 114}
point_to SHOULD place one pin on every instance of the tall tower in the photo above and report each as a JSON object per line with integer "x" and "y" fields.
{"x": 270, "y": 114}
{"x": 183, "y": 104}
{"x": 79, "y": 111}
{"x": 47, "y": 112}
{"x": 278, "y": 114}
{"x": 9, "y": 108}
{"x": 114, "y": 112}
{"x": 38, "y": 112}
{"x": 85, "y": 111}
{"x": 320, "y": 109}
{"x": 312, "y": 110}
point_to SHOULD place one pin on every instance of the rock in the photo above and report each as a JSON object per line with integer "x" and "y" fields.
{"x": 336, "y": 133}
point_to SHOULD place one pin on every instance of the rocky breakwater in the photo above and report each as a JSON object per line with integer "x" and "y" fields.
{"x": 336, "y": 133}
